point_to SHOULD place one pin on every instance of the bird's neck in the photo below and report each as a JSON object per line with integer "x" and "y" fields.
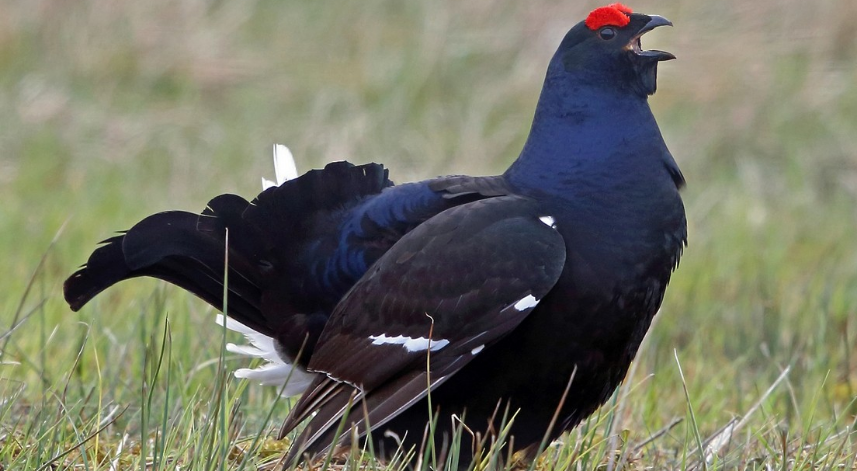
{"x": 586, "y": 138}
{"x": 597, "y": 161}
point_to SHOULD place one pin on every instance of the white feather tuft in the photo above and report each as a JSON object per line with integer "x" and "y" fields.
{"x": 284, "y": 164}
{"x": 284, "y": 167}
{"x": 411, "y": 344}
{"x": 548, "y": 221}
{"x": 273, "y": 373}
{"x": 526, "y": 302}
{"x": 267, "y": 184}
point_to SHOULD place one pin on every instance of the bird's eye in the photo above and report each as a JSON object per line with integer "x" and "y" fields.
{"x": 607, "y": 33}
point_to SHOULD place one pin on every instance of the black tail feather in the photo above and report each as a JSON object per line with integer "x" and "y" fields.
{"x": 105, "y": 267}
{"x": 272, "y": 242}
{"x": 168, "y": 246}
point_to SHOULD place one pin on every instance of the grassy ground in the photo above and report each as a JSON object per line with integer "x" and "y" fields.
{"x": 116, "y": 110}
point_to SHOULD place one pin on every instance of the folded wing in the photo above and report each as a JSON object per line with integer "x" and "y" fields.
{"x": 441, "y": 295}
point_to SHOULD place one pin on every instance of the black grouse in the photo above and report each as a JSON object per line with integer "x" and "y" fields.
{"x": 492, "y": 292}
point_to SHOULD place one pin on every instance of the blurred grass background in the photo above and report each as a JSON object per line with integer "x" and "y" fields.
{"x": 117, "y": 109}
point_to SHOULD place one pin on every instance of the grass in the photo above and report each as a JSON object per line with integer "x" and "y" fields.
{"x": 116, "y": 110}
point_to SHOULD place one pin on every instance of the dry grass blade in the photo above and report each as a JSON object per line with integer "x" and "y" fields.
{"x": 663, "y": 431}
{"x": 716, "y": 442}
{"x": 546, "y": 439}
{"x": 79, "y": 444}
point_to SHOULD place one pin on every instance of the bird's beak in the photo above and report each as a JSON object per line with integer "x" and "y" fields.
{"x": 653, "y": 23}
{"x": 651, "y": 55}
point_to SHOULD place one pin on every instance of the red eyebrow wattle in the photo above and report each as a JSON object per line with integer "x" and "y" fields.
{"x": 614, "y": 14}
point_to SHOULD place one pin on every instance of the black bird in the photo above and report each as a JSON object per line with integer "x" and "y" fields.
{"x": 492, "y": 290}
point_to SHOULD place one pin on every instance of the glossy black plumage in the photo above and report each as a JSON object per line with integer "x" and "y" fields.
{"x": 416, "y": 291}
{"x": 510, "y": 283}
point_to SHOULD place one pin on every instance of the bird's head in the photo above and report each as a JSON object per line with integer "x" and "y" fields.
{"x": 605, "y": 49}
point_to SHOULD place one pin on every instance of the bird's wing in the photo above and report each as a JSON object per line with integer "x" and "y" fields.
{"x": 444, "y": 292}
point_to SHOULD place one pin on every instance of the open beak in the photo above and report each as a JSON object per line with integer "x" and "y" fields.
{"x": 651, "y": 55}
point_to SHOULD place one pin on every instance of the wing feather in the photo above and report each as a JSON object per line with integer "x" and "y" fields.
{"x": 450, "y": 288}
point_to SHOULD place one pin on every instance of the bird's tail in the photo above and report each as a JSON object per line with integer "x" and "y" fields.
{"x": 176, "y": 246}
{"x": 267, "y": 240}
